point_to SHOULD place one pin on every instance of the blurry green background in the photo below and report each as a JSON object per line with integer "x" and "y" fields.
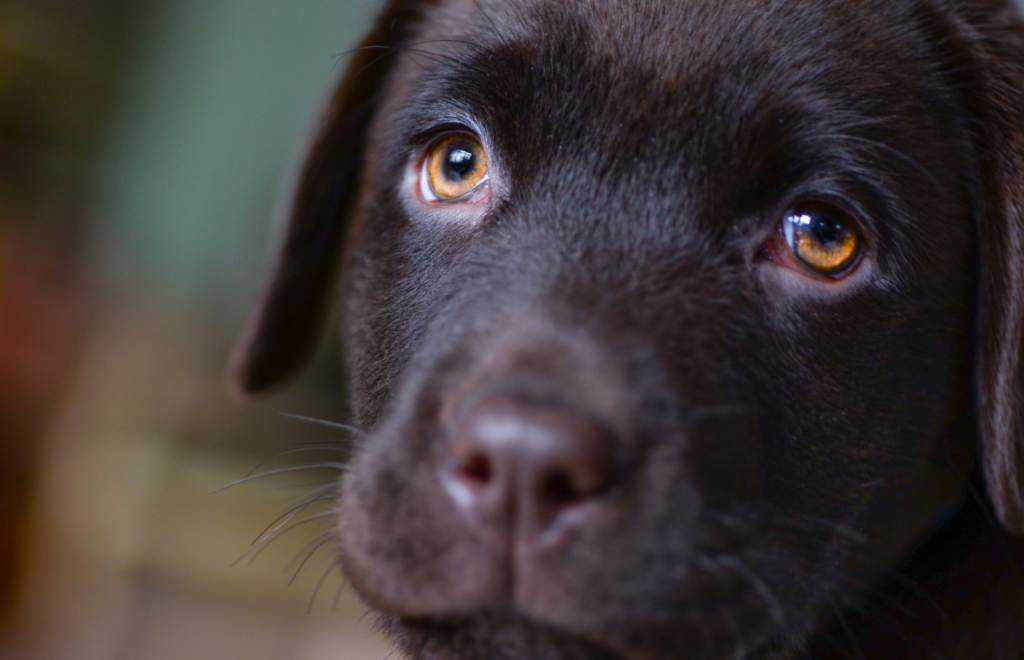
{"x": 142, "y": 147}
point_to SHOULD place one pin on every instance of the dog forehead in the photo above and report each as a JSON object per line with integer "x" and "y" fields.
{"x": 673, "y": 37}
{"x": 651, "y": 80}
{"x": 710, "y": 113}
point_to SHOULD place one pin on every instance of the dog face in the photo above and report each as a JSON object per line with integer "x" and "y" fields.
{"x": 671, "y": 322}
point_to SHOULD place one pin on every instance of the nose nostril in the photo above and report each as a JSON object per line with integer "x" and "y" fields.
{"x": 521, "y": 464}
{"x": 558, "y": 488}
{"x": 476, "y": 469}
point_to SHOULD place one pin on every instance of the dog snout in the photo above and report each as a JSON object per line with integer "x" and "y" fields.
{"x": 516, "y": 467}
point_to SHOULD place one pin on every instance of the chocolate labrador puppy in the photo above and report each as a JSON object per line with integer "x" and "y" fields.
{"x": 678, "y": 328}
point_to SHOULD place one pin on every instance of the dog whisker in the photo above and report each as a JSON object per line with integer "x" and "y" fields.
{"x": 803, "y": 521}
{"x": 391, "y": 51}
{"x": 320, "y": 542}
{"x": 297, "y": 510}
{"x": 323, "y": 422}
{"x": 872, "y": 597}
{"x": 257, "y": 549}
{"x": 461, "y": 42}
{"x": 808, "y": 521}
{"x": 876, "y": 612}
{"x": 775, "y": 608}
{"x": 341, "y": 445}
{"x": 345, "y": 53}
{"x": 331, "y": 465}
{"x": 732, "y": 563}
{"x": 320, "y": 583}
{"x": 299, "y": 450}
{"x": 339, "y": 590}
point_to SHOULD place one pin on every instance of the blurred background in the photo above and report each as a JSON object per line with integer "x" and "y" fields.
{"x": 142, "y": 143}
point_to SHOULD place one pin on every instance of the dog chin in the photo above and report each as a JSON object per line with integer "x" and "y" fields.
{"x": 510, "y": 636}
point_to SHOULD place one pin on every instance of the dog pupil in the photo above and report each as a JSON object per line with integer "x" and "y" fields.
{"x": 828, "y": 229}
{"x": 459, "y": 164}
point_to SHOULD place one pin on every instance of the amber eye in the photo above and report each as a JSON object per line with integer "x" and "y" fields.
{"x": 822, "y": 237}
{"x": 454, "y": 167}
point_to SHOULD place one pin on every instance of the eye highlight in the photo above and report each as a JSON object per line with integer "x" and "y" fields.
{"x": 822, "y": 238}
{"x": 454, "y": 167}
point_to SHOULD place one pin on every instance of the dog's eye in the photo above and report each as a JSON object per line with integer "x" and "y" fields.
{"x": 454, "y": 167}
{"x": 822, "y": 238}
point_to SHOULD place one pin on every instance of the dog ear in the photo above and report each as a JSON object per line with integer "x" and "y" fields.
{"x": 994, "y": 39}
{"x": 285, "y": 329}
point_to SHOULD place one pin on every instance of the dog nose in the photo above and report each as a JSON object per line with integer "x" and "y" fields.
{"x": 519, "y": 465}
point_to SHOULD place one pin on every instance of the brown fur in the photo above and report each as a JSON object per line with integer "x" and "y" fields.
{"x": 793, "y": 462}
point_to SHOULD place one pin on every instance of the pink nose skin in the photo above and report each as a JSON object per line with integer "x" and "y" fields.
{"x": 517, "y": 466}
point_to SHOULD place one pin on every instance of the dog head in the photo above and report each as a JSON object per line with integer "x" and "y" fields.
{"x": 671, "y": 323}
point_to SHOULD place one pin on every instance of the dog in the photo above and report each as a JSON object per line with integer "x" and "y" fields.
{"x": 677, "y": 328}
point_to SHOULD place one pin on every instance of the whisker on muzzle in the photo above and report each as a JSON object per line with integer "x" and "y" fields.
{"x": 324, "y": 422}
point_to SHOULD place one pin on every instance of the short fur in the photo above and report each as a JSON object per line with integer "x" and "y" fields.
{"x": 793, "y": 466}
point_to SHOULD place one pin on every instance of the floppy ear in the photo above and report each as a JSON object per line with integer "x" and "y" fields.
{"x": 994, "y": 39}
{"x": 285, "y": 329}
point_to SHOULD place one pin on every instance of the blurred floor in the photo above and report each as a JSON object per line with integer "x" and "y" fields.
{"x": 154, "y": 135}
